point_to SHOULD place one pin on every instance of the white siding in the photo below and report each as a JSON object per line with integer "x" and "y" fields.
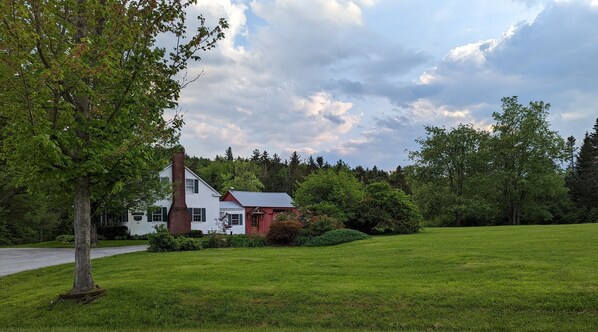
{"x": 206, "y": 198}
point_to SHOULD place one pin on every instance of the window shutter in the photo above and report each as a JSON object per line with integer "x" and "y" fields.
{"x": 149, "y": 215}
{"x": 191, "y": 213}
{"x": 203, "y": 214}
{"x": 196, "y": 186}
{"x": 230, "y": 220}
{"x": 241, "y": 219}
{"x": 164, "y": 214}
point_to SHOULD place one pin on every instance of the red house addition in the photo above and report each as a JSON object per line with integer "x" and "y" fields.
{"x": 260, "y": 208}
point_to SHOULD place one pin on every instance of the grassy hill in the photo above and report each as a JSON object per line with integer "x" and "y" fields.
{"x": 490, "y": 278}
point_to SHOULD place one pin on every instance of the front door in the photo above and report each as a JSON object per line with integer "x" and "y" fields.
{"x": 255, "y": 223}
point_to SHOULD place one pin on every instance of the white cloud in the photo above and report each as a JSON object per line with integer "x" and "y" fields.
{"x": 328, "y": 77}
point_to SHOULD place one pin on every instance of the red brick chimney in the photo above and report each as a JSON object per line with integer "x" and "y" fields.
{"x": 179, "y": 219}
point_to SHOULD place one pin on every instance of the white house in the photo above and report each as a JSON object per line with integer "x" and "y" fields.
{"x": 199, "y": 209}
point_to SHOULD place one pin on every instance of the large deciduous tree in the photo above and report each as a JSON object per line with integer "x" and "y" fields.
{"x": 527, "y": 157}
{"x": 451, "y": 171}
{"x": 84, "y": 87}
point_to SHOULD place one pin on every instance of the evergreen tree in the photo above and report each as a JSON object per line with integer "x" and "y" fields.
{"x": 229, "y": 154}
{"x": 583, "y": 182}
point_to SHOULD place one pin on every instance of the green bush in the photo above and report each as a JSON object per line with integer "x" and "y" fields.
{"x": 318, "y": 225}
{"x": 187, "y": 244}
{"x": 257, "y": 241}
{"x": 245, "y": 241}
{"x": 215, "y": 240}
{"x": 301, "y": 240}
{"x": 237, "y": 241}
{"x": 283, "y": 232}
{"x": 161, "y": 240}
{"x": 336, "y": 236}
{"x": 112, "y": 232}
{"x": 65, "y": 238}
{"x": 196, "y": 233}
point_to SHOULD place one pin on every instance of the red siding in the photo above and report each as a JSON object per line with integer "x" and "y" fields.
{"x": 266, "y": 219}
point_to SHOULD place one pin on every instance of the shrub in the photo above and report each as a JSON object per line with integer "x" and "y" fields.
{"x": 161, "y": 241}
{"x": 187, "y": 244}
{"x": 283, "y": 232}
{"x": 301, "y": 240}
{"x": 318, "y": 225}
{"x": 336, "y": 236}
{"x": 111, "y": 232}
{"x": 65, "y": 238}
{"x": 215, "y": 240}
{"x": 245, "y": 241}
{"x": 237, "y": 241}
{"x": 386, "y": 210}
{"x": 196, "y": 233}
{"x": 257, "y": 241}
{"x": 286, "y": 216}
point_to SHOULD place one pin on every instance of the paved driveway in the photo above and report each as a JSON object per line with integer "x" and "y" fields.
{"x": 13, "y": 260}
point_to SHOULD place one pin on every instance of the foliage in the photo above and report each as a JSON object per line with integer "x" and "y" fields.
{"x": 84, "y": 87}
{"x": 112, "y": 232}
{"x": 511, "y": 175}
{"x": 286, "y": 216}
{"x": 385, "y": 210}
{"x": 243, "y": 178}
{"x": 320, "y": 224}
{"x": 215, "y": 240}
{"x": 163, "y": 241}
{"x": 283, "y": 232}
{"x": 194, "y": 233}
{"x": 65, "y": 238}
{"x": 341, "y": 190}
{"x": 187, "y": 244}
{"x": 583, "y": 177}
{"x": 245, "y": 241}
{"x": 322, "y": 209}
{"x": 336, "y": 236}
{"x": 451, "y": 170}
{"x": 526, "y": 155}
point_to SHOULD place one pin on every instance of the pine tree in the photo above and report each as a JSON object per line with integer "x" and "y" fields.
{"x": 583, "y": 182}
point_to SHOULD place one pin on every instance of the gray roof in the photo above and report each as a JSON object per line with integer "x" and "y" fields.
{"x": 230, "y": 205}
{"x": 257, "y": 199}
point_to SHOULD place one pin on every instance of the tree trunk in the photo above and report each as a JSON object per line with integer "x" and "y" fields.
{"x": 83, "y": 281}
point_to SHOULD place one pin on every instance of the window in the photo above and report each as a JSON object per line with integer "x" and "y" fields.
{"x": 198, "y": 214}
{"x": 159, "y": 214}
{"x": 279, "y": 210}
{"x": 164, "y": 179}
{"x": 235, "y": 219}
{"x": 192, "y": 186}
{"x": 112, "y": 219}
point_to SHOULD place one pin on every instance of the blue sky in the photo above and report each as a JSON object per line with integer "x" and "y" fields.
{"x": 358, "y": 80}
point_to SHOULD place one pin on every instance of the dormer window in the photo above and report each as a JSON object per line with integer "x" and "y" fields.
{"x": 191, "y": 186}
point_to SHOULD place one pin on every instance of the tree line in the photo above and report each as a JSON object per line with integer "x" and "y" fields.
{"x": 518, "y": 172}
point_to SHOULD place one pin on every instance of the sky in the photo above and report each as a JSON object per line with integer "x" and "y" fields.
{"x": 358, "y": 80}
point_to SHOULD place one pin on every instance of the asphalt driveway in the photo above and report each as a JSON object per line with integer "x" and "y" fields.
{"x": 13, "y": 260}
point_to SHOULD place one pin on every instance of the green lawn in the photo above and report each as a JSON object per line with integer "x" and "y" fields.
{"x": 102, "y": 244}
{"x": 540, "y": 278}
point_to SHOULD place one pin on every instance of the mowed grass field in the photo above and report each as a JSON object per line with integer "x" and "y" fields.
{"x": 537, "y": 278}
